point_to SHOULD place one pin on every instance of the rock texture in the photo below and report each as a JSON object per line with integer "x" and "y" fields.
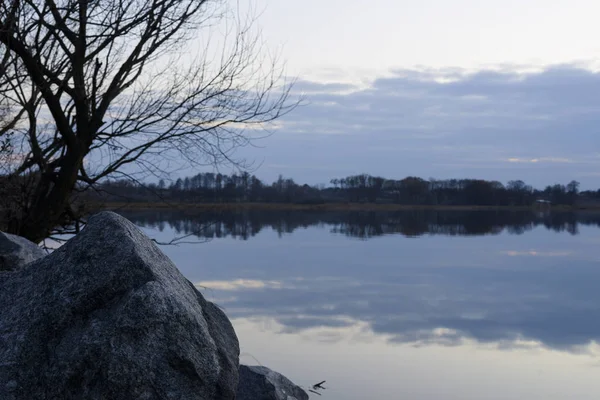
{"x": 15, "y": 252}
{"x": 108, "y": 316}
{"x": 261, "y": 383}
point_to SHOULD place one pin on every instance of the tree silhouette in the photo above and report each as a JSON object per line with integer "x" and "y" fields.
{"x": 93, "y": 87}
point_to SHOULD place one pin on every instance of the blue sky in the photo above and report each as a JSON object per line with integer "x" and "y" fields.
{"x": 436, "y": 88}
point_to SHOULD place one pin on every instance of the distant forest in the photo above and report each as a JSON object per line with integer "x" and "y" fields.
{"x": 246, "y": 188}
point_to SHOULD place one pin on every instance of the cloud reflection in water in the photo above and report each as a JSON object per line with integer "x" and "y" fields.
{"x": 533, "y": 281}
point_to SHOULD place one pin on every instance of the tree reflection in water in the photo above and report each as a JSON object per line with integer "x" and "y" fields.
{"x": 244, "y": 224}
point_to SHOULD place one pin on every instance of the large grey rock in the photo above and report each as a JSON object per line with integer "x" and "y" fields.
{"x": 108, "y": 316}
{"x": 15, "y": 252}
{"x": 261, "y": 383}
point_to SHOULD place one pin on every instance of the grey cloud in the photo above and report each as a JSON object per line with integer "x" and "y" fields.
{"x": 400, "y": 124}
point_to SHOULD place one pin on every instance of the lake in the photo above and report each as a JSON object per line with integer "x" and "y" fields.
{"x": 417, "y": 305}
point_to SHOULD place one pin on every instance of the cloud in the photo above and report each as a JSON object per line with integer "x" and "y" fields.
{"x": 541, "y": 126}
{"x": 541, "y": 159}
{"x": 536, "y": 253}
{"x": 238, "y": 284}
{"x": 308, "y": 87}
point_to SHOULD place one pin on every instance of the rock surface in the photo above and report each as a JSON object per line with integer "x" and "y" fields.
{"x": 261, "y": 383}
{"x": 15, "y": 252}
{"x": 108, "y": 316}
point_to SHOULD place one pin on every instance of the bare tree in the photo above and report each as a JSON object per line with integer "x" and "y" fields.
{"x": 95, "y": 87}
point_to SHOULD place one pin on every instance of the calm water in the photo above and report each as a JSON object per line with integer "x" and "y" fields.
{"x": 408, "y": 305}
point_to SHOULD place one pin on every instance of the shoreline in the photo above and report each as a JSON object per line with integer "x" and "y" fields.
{"x": 323, "y": 207}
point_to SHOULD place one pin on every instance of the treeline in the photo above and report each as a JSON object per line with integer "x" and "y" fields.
{"x": 220, "y": 188}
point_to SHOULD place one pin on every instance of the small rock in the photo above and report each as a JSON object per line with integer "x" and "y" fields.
{"x": 16, "y": 252}
{"x": 261, "y": 383}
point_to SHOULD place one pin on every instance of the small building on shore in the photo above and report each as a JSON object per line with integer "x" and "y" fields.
{"x": 542, "y": 204}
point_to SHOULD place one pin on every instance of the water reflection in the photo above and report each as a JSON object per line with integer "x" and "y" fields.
{"x": 501, "y": 289}
{"x": 308, "y": 301}
{"x": 361, "y": 224}
{"x": 359, "y": 365}
{"x": 447, "y": 307}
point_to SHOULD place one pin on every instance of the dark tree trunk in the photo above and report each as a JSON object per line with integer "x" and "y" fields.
{"x": 51, "y": 202}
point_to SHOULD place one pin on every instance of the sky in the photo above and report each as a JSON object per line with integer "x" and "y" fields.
{"x": 435, "y": 88}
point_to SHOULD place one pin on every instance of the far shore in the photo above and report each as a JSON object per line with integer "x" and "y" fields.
{"x": 322, "y": 207}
